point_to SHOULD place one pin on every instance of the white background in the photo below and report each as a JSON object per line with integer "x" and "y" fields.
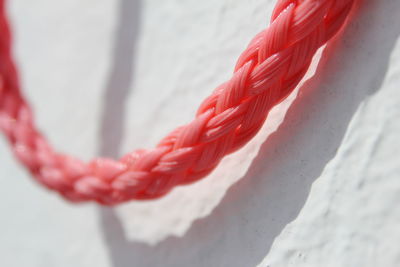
{"x": 106, "y": 77}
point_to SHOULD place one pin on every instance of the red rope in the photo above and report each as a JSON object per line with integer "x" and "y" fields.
{"x": 266, "y": 72}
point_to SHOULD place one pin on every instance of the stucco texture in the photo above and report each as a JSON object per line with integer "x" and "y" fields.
{"x": 318, "y": 186}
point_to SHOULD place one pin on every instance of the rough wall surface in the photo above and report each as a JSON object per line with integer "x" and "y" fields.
{"x": 109, "y": 76}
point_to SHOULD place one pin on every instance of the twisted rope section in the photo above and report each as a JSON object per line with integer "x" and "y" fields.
{"x": 266, "y": 72}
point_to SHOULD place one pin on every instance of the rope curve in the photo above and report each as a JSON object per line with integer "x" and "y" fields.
{"x": 266, "y": 72}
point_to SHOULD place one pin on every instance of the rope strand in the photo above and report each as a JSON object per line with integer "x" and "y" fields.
{"x": 266, "y": 72}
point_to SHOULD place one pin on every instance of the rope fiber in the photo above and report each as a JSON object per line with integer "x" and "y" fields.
{"x": 266, "y": 72}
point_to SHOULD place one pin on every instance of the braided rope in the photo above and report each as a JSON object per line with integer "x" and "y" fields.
{"x": 266, "y": 72}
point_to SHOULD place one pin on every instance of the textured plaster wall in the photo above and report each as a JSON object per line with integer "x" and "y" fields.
{"x": 108, "y": 76}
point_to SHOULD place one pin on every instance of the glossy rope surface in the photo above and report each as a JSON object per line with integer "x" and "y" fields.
{"x": 266, "y": 72}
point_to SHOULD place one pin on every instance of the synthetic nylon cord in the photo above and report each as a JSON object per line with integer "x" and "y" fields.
{"x": 266, "y": 72}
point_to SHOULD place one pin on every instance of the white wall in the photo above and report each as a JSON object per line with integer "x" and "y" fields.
{"x": 106, "y": 77}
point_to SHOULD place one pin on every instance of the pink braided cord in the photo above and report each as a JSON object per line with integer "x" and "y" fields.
{"x": 266, "y": 72}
